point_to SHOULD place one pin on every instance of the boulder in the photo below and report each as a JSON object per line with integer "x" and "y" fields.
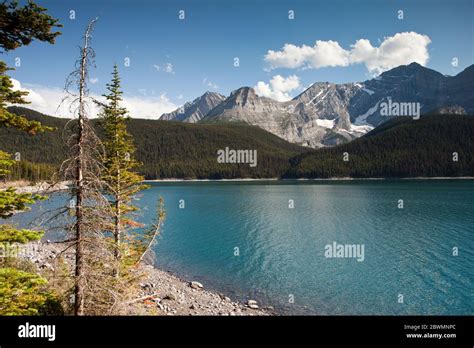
{"x": 195, "y": 285}
{"x": 252, "y": 304}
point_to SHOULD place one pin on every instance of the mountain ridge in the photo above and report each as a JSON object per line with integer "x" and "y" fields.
{"x": 401, "y": 147}
{"x": 327, "y": 114}
{"x": 194, "y": 111}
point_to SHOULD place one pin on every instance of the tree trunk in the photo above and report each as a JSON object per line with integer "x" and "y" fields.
{"x": 79, "y": 269}
{"x": 118, "y": 236}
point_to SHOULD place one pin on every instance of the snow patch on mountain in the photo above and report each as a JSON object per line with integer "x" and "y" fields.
{"x": 317, "y": 95}
{"x": 326, "y": 123}
{"x": 368, "y": 91}
{"x": 361, "y": 120}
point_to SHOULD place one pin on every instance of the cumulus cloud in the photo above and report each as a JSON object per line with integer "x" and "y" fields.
{"x": 150, "y": 107}
{"x": 400, "y": 49}
{"x": 48, "y": 101}
{"x": 278, "y": 88}
{"x": 322, "y": 54}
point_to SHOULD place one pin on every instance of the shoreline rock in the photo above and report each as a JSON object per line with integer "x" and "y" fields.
{"x": 40, "y": 187}
{"x": 159, "y": 292}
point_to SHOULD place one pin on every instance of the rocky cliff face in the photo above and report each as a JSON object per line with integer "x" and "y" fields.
{"x": 404, "y": 84}
{"x": 244, "y": 105}
{"x": 329, "y": 114}
{"x": 194, "y": 111}
{"x": 315, "y": 118}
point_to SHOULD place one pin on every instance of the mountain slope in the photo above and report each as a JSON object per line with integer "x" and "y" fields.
{"x": 244, "y": 105}
{"x": 167, "y": 149}
{"x": 331, "y": 114}
{"x": 411, "y": 83}
{"x": 401, "y": 147}
{"x": 192, "y": 112}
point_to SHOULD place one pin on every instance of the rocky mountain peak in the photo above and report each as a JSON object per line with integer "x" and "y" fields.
{"x": 329, "y": 113}
{"x": 194, "y": 111}
{"x": 410, "y": 71}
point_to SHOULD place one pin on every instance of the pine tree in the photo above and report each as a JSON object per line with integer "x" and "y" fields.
{"x": 122, "y": 182}
{"x": 19, "y": 26}
{"x": 20, "y": 292}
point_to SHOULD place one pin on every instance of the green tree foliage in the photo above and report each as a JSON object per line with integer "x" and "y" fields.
{"x": 32, "y": 172}
{"x": 122, "y": 182}
{"x": 9, "y": 96}
{"x": 20, "y": 291}
{"x": 401, "y": 147}
{"x": 10, "y": 234}
{"x": 24, "y": 293}
{"x": 21, "y": 25}
{"x": 6, "y": 161}
{"x": 169, "y": 149}
{"x": 12, "y": 202}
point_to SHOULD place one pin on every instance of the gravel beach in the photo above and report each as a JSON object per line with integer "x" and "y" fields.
{"x": 160, "y": 292}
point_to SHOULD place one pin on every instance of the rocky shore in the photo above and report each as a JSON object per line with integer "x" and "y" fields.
{"x": 160, "y": 292}
{"x": 40, "y": 187}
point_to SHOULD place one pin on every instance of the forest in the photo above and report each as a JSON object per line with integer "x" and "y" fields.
{"x": 105, "y": 160}
{"x": 433, "y": 146}
{"x": 98, "y": 223}
{"x": 166, "y": 149}
{"x": 401, "y": 147}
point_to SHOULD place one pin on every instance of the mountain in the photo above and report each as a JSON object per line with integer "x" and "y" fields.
{"x": 399, "y": 148}
{"x": 192, "y": 112}
{"x": 314, "y": 118}
{"x": 166, "y": 149}
{"x": 328, "y": 114}
{"x": 411, "y": 84}
{"x": 244, "y": 105}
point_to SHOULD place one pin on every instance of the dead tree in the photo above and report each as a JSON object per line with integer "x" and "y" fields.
{"x": 88, "y": 207}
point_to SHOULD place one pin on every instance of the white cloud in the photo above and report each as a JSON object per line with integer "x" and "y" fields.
{"x": 150, "y": 107}
{"x": 400, "y": 49}
{"x": 94, "y": 80}
{"x": 167, "y": 68}
{"x": 48, "y": 101}
{"x": 278, "y": 88}
{"x": 322, "y": 54}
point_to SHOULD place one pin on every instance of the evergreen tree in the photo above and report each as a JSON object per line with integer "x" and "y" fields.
{"x": 20, "y": 292}
{"x": 122, "y": 182}
{"x": 19, "y": 26}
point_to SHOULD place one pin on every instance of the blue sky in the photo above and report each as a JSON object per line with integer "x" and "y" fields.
{"x": 173, "y": 60}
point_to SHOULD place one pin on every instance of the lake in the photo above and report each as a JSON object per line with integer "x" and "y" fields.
{"x": 248, "y": 240}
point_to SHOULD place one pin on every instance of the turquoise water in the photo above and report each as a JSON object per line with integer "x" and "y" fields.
{"x": 282, "y": 261}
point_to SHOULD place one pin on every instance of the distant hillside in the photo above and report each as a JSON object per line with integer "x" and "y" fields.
{"x": 401, "y": 147}
{"x": 168, "y": 149}
{"x": 327, "y": 114}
